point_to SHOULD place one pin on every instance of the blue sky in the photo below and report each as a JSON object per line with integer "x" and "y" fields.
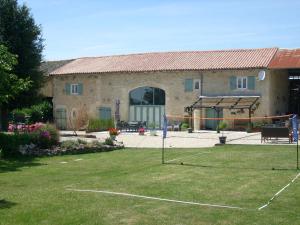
{"x": 79, "y": 28}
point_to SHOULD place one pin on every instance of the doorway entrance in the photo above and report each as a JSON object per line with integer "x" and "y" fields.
{"x": 294, "y": 92}
{"x": 147, "y": 104}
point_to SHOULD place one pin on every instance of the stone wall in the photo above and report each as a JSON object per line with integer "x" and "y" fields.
{"x": 101, "y": 90}
{"x": 47, "y": 89}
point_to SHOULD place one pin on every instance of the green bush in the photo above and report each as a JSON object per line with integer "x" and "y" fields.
{"x": 95, "y": 125}
{"x": 36, "y": 113}
{"x": 46, "y": 136}
{"x": 184, "y": 126}
{"x": 70, "y": 144}
{"x": 109, "y": 141}
{"x": 80, "y": 141}
{"x": 9, "y": 143}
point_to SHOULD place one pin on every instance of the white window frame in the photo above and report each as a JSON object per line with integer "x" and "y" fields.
{"x": 194, "y": 84}
{"x": 74, "y": 89}
{"x": 241, "y": 79}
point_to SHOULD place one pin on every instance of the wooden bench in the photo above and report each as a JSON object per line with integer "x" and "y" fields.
{"x": 275, "y": 132}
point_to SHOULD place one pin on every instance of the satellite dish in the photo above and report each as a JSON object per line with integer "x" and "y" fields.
{"x": 261, "y": 75}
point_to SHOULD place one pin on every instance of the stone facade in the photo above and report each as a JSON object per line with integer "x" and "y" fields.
{"x": 101, "y": 90}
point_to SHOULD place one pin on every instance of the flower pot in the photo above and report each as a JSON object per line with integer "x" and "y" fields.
{"x": 190, "y": 130}
{"x": 222, "y": 140}
{"x": 153, "y": 132}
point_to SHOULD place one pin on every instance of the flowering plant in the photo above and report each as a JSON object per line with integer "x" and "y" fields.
{"x": 113, "y": 131}
{"x": 45, "y": 134}
{"x": 141, "y": 131}
{"x": 24, "y": 128}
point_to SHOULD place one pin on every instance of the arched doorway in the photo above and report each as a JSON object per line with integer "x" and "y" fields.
{"x": 147, "y": 104}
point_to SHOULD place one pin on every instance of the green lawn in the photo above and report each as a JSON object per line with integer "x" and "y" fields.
{"x": 35, "y": 191}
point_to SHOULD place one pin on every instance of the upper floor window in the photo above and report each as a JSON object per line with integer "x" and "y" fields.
{"x": 196, "y": 84}
{"x": 74, "y": 89}
{"x": 191, "y": 85}
{"x": 242, "y": 82}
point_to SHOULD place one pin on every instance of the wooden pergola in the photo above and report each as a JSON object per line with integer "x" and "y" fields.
{"x": 221, "y": 102}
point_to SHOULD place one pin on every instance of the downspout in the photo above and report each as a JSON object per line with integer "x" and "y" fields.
{"x": 201, "y": 93}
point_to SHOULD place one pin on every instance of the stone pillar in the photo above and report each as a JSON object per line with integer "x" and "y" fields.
{"x": 196, "y": 119}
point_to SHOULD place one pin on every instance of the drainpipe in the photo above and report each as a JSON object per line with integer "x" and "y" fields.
{"x": 201, "y": 93}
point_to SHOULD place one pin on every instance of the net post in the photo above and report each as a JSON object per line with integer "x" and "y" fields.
{"x": 165, "y": 128}
{"x": 163, "y": 151}
{"x": 295, "y": 127}
{"x": 297, "y": 156}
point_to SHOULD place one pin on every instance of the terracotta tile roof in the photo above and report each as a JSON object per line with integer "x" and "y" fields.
{"x": 286, "y": 59}
{"x": 171, "y": 61}
{"x": 49, "y": 66}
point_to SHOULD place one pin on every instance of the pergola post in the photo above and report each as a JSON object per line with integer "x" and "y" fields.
{"x": 218, "y": 115}
{"x": 249, "y": 121}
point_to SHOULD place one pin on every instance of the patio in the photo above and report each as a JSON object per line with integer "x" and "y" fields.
{"x": 183, "y": 139}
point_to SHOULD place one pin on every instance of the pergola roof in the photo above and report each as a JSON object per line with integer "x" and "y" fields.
{"x": 226, "y": 102}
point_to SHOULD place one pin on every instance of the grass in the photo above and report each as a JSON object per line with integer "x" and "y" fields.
{"x": 34, "y": 191}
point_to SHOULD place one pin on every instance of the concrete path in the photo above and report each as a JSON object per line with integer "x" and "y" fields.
{"x": 175, "y": 139}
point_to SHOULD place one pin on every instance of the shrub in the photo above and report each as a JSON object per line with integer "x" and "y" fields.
{"x": 184, "y": 126}
{"x": 44, "y": 136}
{"x": 80, "y": 141}
{"x": 95, "y": 125}
{"x": 95, "y": 143}
{"x": 36, "y": 113}
{"x": 9, "y": 143}
{"x": 47, "y": 136}
{"x": 109, "y": 141}
{"x": 222, "y": 126}
{"x": 70, "y": 144}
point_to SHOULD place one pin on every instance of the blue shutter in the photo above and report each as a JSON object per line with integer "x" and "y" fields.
{"x": 80, "y": 89}
{"x": 188, "y": 85}
{"x": 251, "y": 82}
{"x": 105, "y": 113}
{"x": 232, "y": 82}
{"x": 68, "y": 88}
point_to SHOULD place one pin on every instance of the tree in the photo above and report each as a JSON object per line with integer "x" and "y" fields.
{"x": 23, "y": 38}
{"x": 10, "y": 84}
{"x": 78, "y": 119}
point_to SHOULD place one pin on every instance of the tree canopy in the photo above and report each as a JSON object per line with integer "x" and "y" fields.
{"x": 23, "y": 37}
{"x": 10, "y": 84}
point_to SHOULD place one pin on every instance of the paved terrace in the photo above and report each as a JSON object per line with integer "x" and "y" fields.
{"x": 182, "y": 139}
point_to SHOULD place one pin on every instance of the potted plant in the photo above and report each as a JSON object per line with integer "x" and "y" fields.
{"x": 152, "y": 127}
{"x": 113, "y": 133}
{"x": 141, "y": 131}
{"x": 221, "y": 127}
{"x": 184, "y": 127}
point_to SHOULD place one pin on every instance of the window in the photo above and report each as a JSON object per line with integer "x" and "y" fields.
{"x": 147, "y": 96}
{"x": 105, "y": 113}
{"x": 74, "y": 89}
{"x": 196, "y": 85}
{"x": 188, "y": 85}
{"x": 241, "y": 83}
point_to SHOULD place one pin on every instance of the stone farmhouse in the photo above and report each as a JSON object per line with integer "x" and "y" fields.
{"x": 204, "y": 84}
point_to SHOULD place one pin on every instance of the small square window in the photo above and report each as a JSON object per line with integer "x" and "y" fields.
{"x": 74, "y": 89}
{"x": 241, "y": 82}
{"x": 196, "y": 84}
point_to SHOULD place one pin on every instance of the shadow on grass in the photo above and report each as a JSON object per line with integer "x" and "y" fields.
{"x": 15, "y": 164}
{"x": 4, "y": 204}
{"x": 229, "y": 167}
